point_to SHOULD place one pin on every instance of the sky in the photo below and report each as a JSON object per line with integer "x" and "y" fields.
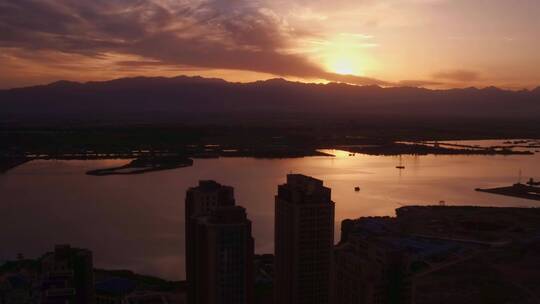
{"x": 427, "y": 43}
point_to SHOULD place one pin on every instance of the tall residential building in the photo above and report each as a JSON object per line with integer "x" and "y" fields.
{"x": 225, "y": 257}
{"x": 304, "y": 238}
{"x": 200, "y": 201}
{"x": 67, "y": 276}
{"x": 219, "y": 247}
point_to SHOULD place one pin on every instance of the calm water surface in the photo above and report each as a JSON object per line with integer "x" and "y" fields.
{"x": 137, "y": 221}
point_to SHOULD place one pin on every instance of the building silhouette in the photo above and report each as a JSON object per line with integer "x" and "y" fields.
{"x": 67, "y": 276}
{"x": 371, "y": 264}
{"x": 225, "y": 256}
{"x": 219, "y": 247}
{"x": 304, "y": 238}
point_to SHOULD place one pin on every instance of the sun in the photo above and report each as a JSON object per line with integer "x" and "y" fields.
{"x": 344, "y": 62}
{"x": 343, "y": 66}
{"x": 347, "y": 54}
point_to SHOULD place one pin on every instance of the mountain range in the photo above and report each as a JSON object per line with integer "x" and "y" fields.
{"x": 200, "y": 100}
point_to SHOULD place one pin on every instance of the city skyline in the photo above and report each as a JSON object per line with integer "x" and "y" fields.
{"x": 269, "y": 151}
{"x": 414, "y": 257}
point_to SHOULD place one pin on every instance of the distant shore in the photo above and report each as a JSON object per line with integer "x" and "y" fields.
{"x": 166, "y": 158}
{"x": 418, "y": 148}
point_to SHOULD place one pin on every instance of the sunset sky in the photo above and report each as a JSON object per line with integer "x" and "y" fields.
{"x": 430, "y": 43}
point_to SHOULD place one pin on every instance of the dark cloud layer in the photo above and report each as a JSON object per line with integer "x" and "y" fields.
{"x": 206, "y": 34}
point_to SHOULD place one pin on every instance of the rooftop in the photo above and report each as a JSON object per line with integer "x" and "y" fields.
{"x": 304, "y": 189}
{"x": 210, "y": 186}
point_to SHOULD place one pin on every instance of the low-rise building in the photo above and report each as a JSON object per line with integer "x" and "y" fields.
{"x": 67, "y": 276}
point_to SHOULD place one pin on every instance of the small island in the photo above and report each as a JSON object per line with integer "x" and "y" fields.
{"x": 528, "y": 191}
{"x": 144, "y": 165}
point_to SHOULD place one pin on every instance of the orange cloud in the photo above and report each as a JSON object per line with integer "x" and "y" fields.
{"x": 458, "y": 75}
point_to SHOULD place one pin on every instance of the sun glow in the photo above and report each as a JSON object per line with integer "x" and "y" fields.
{"x": 343, "y": 66}
{"x": 345, "y": 55}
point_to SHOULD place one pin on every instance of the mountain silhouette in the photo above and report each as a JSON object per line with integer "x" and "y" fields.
{"x": 208, "y": 100}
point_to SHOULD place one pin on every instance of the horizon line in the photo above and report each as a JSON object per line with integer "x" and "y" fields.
{"x": 277, "y": 78}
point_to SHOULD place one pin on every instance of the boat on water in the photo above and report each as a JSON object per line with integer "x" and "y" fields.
{"x": 400, "y": 166}
{"x": 357, "y": 189}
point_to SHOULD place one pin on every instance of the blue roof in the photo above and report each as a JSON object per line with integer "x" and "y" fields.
{"x": 115, "y": 286}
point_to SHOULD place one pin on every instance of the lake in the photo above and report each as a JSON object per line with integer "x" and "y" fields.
{"x": 136, "y": 222}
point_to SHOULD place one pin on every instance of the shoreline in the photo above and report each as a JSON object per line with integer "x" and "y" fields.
{"x": 144, "y": 165}
{"x": 516, "y": 190}
{"x": 145, "y": 161}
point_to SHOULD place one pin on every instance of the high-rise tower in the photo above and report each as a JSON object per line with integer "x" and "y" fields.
{"x": 219, "y": 247}
{"x": 304, "y": 238}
